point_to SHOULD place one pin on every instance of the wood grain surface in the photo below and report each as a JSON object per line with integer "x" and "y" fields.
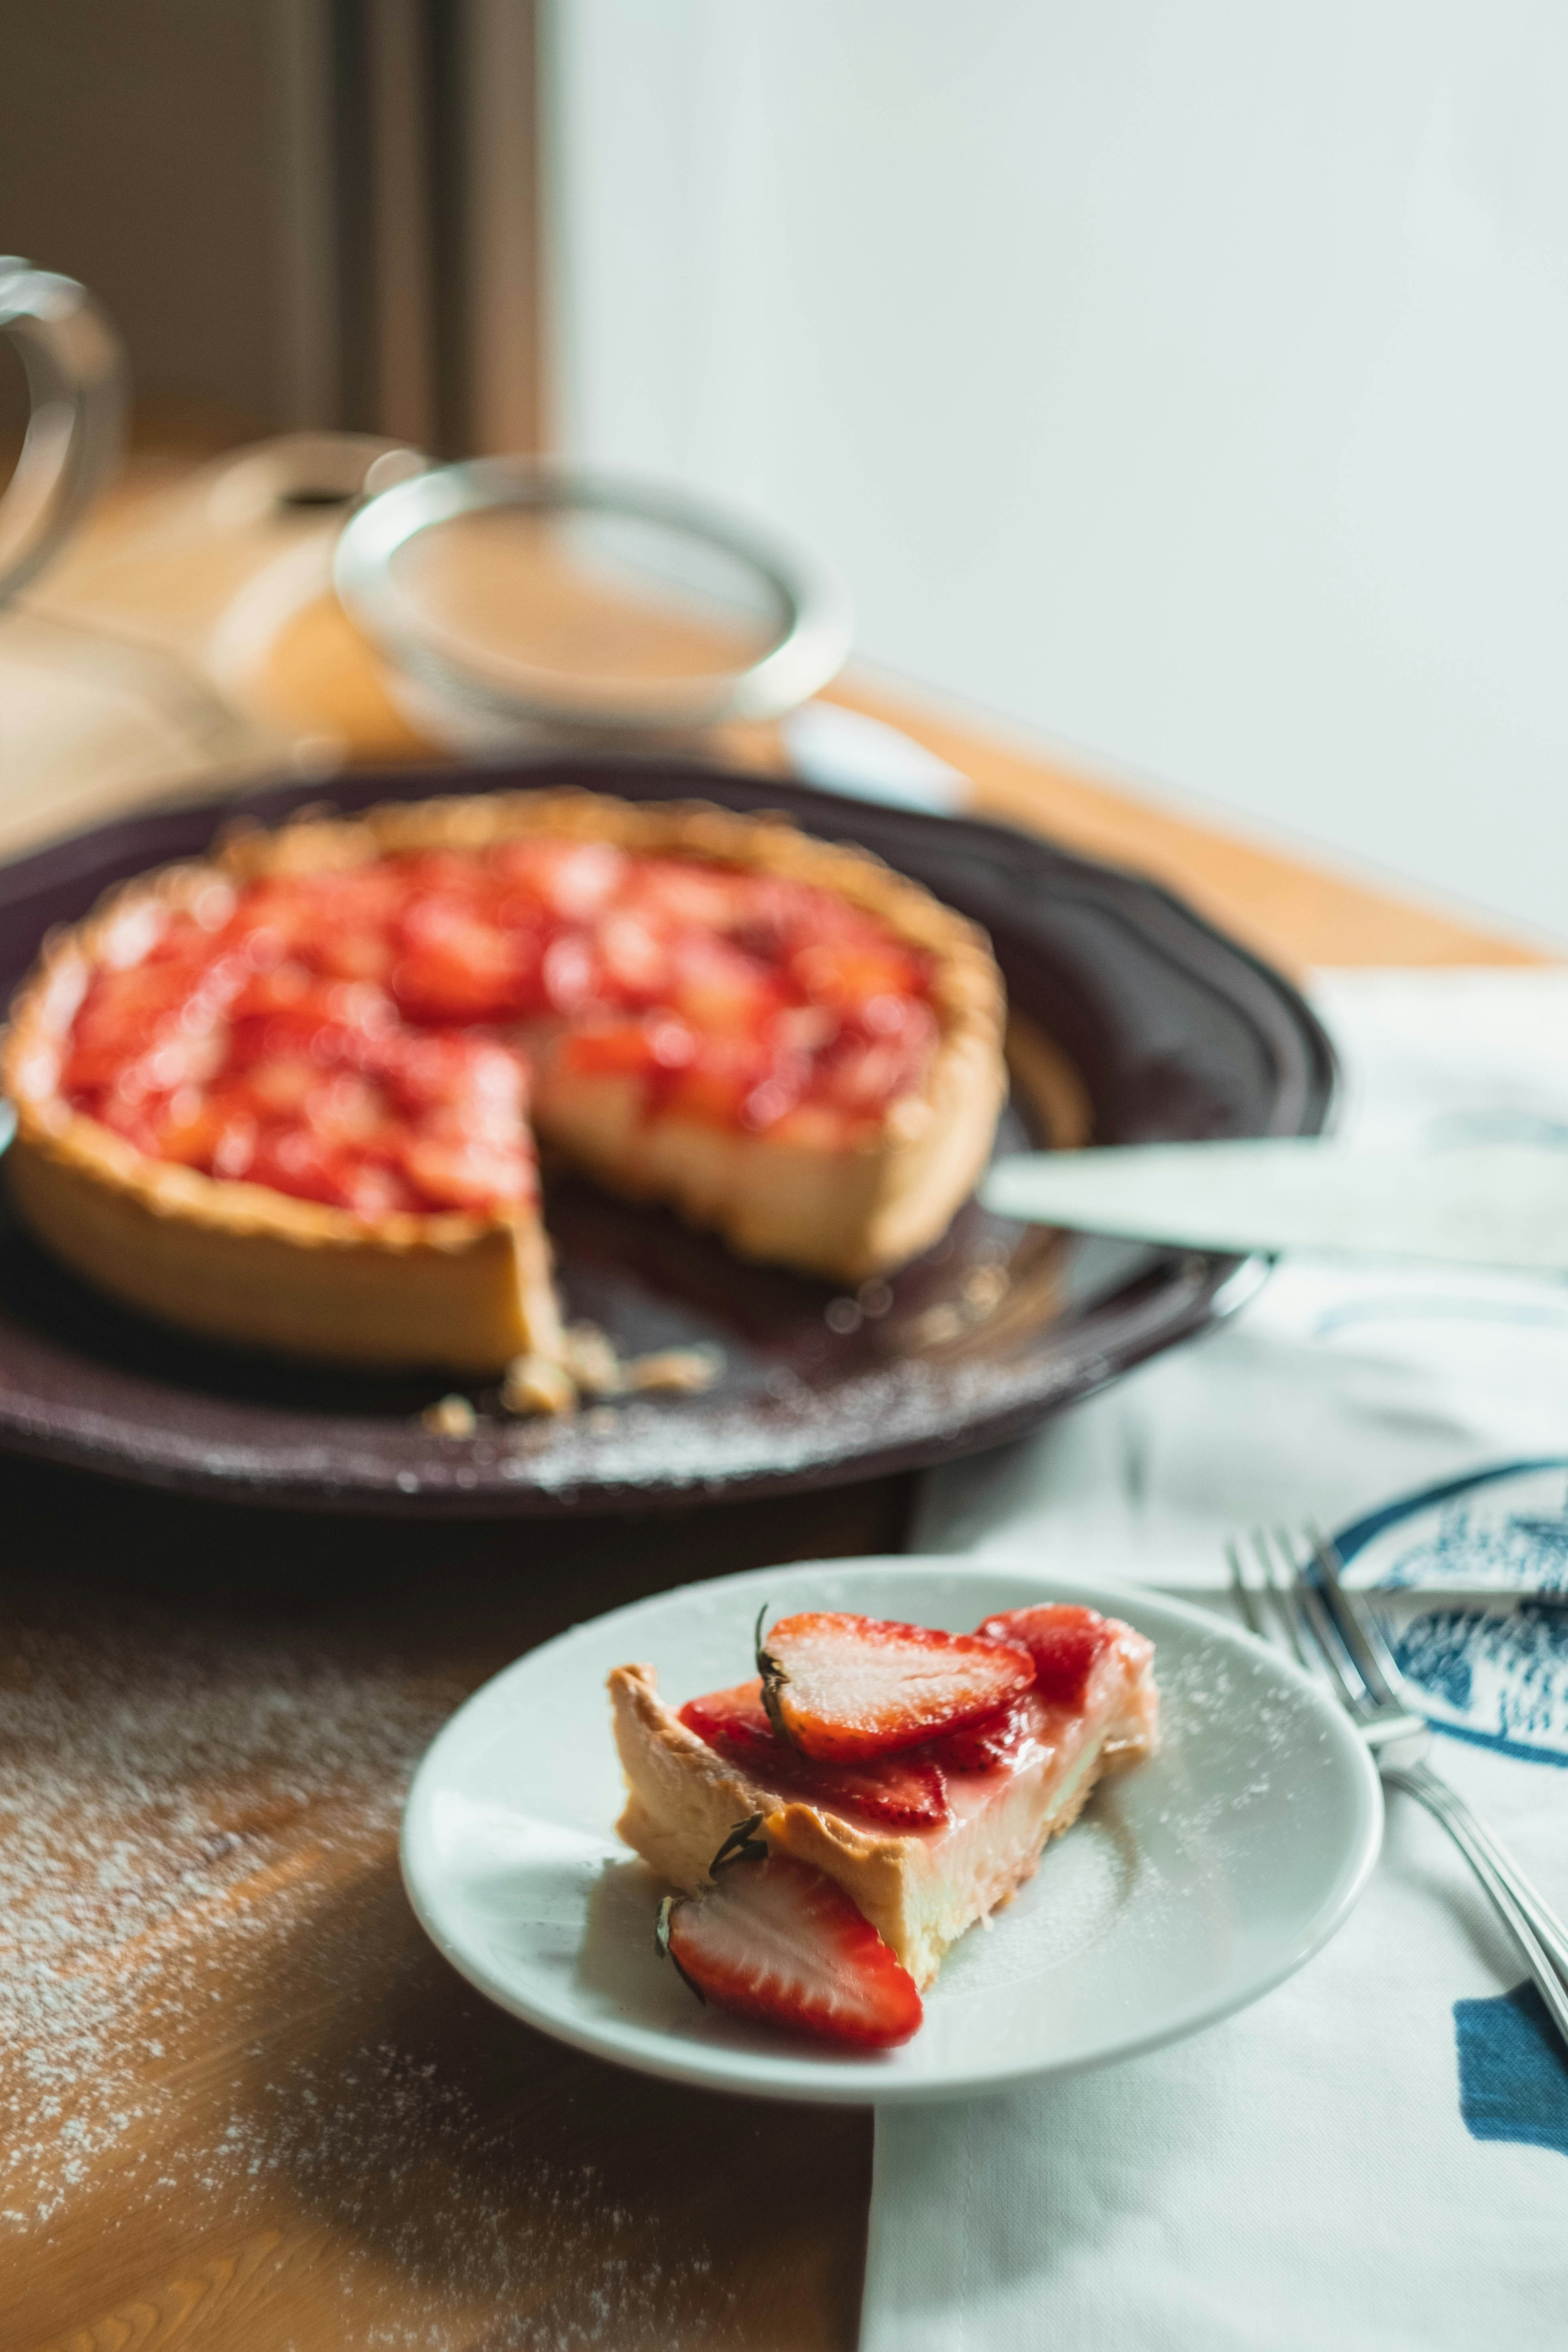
{"x": 331, "y": 2141}
{"x": 296, "y": 2127}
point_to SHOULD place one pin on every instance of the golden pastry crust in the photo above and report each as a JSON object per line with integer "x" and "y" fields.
{"x": 242, "y": 1264}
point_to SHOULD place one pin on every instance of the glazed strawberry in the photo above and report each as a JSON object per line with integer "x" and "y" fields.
{"x": 1003, "y": 1739}
{"x": 736, "y": 1000}
{"x": 734, "y": 1723}
{"x": 1065, "y": 1643}
{"x": 893, "y": 1791}
{"x": 775, "y": 1941}
{"x": 843, "y": 1688}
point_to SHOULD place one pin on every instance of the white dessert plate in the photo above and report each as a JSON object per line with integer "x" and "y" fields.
{"x": 1192, "y": 1884}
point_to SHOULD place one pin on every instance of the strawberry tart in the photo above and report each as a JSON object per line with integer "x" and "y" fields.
{"x": 288, "y": 1096}
{"x": 873, "y": 1780}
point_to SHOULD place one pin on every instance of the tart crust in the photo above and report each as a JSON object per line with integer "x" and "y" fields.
{"x": 240, "y": 1263}
{"x": 683, "y": 1800}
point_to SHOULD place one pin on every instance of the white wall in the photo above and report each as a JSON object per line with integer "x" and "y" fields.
{"x": 1190, "y": 381}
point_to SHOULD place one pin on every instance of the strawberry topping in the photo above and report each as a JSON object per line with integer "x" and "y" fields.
{"x": 1066, "y": 1643}
{"x": 358, "y": 1035}
{"x": 1005, "y": 1738}
{"x": 775, "y": 1941}
{"x": 895, "y": 1792}
{"x": 842, "y": 1688}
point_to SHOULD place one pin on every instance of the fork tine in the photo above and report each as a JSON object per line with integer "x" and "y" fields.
{"x": 1328, "y": 1654}
{"x": 1244, "y": 1594}
{"x": 1281, "y": 1592}
{"x": 1355, "y": 1627}
{"x": 1277, "y": 1623}
{"x": 1322, "y": 1631}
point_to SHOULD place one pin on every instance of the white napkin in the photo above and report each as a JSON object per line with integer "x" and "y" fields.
{"x": 1377, "y": 2153}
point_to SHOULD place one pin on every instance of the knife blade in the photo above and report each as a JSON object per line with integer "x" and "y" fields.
{"x": 1494, "y": 1204}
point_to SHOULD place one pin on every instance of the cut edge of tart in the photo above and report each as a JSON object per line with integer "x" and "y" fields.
{"x": 920, "y": 1890}
{"x": 244, "y": 1263}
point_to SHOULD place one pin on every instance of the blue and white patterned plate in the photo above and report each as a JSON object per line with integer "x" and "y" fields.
{"x": 1493, "y": 1670}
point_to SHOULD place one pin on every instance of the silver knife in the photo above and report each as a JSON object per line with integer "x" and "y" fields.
{"x": 1495, "y": 1205}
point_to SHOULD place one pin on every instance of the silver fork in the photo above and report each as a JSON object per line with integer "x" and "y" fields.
{"x": 1338, "y": 1642}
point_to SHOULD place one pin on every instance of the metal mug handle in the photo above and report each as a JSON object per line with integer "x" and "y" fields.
{"x": 75, "y": 366}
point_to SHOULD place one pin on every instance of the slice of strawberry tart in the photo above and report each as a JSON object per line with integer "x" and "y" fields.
{"x": 872, "y": 1775}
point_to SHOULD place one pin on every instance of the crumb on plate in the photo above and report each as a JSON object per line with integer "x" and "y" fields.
{"x": 591, "y": 1362}
{"x": 534, "y": 1384}
{"x": 450, "y": 1416}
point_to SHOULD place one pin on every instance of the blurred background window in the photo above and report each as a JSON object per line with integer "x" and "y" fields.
{"x": 1186, "y": 385}
{"x": 1186, "y": 382}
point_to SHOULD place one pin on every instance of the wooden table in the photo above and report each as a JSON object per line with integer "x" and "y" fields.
{"x": 250, "y": 2106}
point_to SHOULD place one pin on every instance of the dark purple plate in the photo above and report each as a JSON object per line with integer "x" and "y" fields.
{"x": 1173, "y": 1030}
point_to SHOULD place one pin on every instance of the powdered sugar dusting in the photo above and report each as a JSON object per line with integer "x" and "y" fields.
{"x": 165, "y": 1804}
{"x": 197, "y": 1827}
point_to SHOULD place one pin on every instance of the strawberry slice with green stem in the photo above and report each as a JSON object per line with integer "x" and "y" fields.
{"x": 775, "y": 1941}
{"x": 843, "y": 1688}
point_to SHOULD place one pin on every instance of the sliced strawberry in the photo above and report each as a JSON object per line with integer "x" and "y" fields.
{"x": 453, "y": 965}
{"x": 1066, "y": 1643}
{"x": 733, "y": 1722}
{"x": 714, "y": 1085}
{"x": 842, "y": 1688}
{"x": 471, "y": 1176}
{"x": 353, "y": 954}
{"x": 894, "y": 1792}
{"x": 803, "y": 1016}
{"x": 999, "y": 1739}
{"x": 630, "y": 1048}
{"x": 574, "y": 879}
{"x": 844, "y": 972}
{"x": 717, "y": 989}
{"x": 772, "y": 1940}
